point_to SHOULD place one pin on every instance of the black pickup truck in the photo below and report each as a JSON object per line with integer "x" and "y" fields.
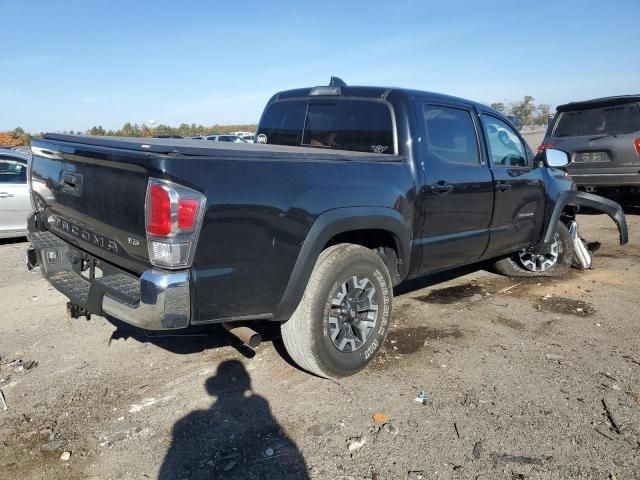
{"x": 347, "y": 192}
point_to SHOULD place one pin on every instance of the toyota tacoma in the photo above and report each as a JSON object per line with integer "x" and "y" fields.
{"x": 347, "y": 192}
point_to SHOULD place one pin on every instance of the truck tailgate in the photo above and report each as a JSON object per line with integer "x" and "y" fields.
{"x": 93, "y": 197}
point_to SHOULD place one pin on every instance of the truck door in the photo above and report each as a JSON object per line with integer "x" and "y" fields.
{"x": 458, "y": 191}
{"x": 519, "y": 198}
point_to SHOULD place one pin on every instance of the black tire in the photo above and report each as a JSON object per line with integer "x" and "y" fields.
{"x": 514, "y": 267}
{"x": 307, "y": 335}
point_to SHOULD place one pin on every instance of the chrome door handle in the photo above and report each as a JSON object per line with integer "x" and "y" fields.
{"x": 5, "y": 194}
{"x": 441, "y": 188}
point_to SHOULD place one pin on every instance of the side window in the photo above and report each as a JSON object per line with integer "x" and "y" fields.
{"x": 12, "y": 170}
{"x": 505, "y": 147}
{"x": 283, "y": 122}
{"x": 451, "y": 135}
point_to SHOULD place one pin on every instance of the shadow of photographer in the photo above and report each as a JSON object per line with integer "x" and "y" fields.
{"x": 237, "y": 437}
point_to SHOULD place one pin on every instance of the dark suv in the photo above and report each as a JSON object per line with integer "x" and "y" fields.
{"x": 603, "y": 138}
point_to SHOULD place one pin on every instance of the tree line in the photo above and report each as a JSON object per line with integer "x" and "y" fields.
{"x": 15, "y": 138}
{"x": 18, "y": 136}
{"x": 184, "y": 130}
{"x": 526, "y": 110}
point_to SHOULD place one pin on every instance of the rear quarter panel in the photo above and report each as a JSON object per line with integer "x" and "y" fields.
{"x": 259, "y": 213}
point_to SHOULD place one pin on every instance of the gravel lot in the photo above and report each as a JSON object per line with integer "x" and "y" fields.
{"x": 516, "y": 374}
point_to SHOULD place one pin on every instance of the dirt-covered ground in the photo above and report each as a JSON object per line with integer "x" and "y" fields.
{"x": 517, "y": 374}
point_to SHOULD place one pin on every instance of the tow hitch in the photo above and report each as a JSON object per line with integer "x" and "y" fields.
{"x": 76, "y": 311}
{"x": 31, "y": 259}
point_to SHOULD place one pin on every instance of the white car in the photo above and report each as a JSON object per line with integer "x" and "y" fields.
{"x": 15, "y": 204}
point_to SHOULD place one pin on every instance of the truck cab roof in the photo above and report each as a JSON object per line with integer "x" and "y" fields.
{"x": 372, "y": 92}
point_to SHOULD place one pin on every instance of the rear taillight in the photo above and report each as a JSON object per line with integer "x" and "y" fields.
{"x": 187, "y": 211}
{"x": 173, "y": 217}
{"x": 544, "y": 146}
{"x": 636, "y": 143}
{"x": 158, "y": 211}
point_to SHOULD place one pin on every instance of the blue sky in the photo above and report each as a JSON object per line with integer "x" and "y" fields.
{"x": 74, "y": 64}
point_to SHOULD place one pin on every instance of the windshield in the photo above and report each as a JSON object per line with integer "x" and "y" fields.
{"x": 599, "y": 121}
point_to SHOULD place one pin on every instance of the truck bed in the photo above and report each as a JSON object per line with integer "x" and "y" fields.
{"x": 192, "y": 147}
{"x": 261, "y": 201}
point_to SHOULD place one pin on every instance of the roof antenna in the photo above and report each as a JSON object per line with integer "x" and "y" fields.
{"x": 337, "y": 82}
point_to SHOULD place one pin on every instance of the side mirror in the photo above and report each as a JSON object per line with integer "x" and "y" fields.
{"x": 556, "y": 158}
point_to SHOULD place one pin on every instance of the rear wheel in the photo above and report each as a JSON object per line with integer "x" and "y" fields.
{"x": 554, "y": 262}
{"x": 344, "y": 314}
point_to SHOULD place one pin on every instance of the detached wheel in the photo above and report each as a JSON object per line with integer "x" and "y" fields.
{"x": 344, "y": 314}
{"x": 555, "y": 262}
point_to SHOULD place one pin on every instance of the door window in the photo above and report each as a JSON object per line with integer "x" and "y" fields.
{"x": 451, "y": 135}
{"x": 505, "y": 147}
{"x": 12, "y": 170}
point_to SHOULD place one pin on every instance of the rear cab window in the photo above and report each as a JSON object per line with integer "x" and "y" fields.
{"x": 283, "y": 123}
{"x": 355, "y": 125}
{"x": 614, "y": 119}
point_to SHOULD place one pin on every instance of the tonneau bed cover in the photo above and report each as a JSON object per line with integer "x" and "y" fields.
{"x": 193, "y": 147}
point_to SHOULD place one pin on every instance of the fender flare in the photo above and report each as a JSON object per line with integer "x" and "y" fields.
{"x": 578, "y": 198}
{"x": 326, "y": 226}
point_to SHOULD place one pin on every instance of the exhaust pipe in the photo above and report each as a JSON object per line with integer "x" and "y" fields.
{"x": 581, "y": 255}
{"x": 246, "y": 335}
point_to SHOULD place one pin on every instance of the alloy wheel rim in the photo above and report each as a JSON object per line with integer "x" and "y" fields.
{"x": 540, "y": 262}
{"x": 353, "y": 314}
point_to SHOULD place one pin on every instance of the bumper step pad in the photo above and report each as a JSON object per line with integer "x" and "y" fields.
{"x": 121, "y": 287}
{"x": 72, "y": 285}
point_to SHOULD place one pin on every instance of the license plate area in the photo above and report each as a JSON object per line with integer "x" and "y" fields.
{"x": 86, "y": 265}
{"x": 90, "y": 270}
{"x": 592, "y": 157}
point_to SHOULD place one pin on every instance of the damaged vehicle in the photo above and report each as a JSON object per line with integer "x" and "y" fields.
{"x": 347, "y": 192}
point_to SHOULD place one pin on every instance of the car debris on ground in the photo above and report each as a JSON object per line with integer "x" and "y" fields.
{"x": 423, "y": 397}
{"x": 22, "y": 365}
{"x": 3, "y": 400}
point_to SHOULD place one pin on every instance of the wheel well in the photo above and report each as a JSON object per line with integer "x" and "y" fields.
{"x": 383, "y": 242}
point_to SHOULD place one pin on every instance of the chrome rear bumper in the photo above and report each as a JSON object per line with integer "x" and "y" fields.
{"x": 156, "y": 300}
